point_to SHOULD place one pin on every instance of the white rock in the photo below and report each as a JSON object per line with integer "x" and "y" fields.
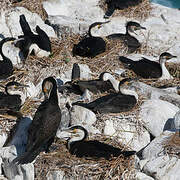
{"x": 142, "y": 176}
{"x": 3, "y": 137}
{"x": 127, "y": 133}
{"x": 85, "y": 117}
{"x": 155, "y": 113}
{"x": 158, "y": 163}
{"x": 55, "y": 175}
{"x": 15, "y": 172}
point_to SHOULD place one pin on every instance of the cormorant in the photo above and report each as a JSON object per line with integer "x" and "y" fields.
{"x": 122, "y": 101}
{"x": 131, "y": 42}
{"x": 105, "y": 82}
{"x": 30, "y": 41}
{"x": 13, "y": 97}
{"x": 149, "y": 69}
{"x": 90, "y": 46}
{"x": 76, "y": 144}
{"x": 112, "y": 5}
{"x": 6, "y": 66}
{"x": 45, "y": 123}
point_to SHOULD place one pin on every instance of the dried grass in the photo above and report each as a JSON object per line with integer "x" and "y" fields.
{"x": 35, "y": 6}
{"x": 139, "y": 12}
{"x": 81, "y": 168}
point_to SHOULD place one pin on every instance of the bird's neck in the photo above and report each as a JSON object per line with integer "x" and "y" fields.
{"x": 165, "y": 72}
{"x": 114, "y": 83}
{"x": 129, "y": 92}
{"x": 53, "y": 95}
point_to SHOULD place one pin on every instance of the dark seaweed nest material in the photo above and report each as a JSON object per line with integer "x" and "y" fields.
{"x": 139, "y": 12}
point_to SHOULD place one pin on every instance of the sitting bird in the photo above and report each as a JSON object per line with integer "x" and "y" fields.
{"x": 128, "y": 39}
{"x": 146, "y": 68}
{"x": 122, "y": 101}
{"x": 90, "y": 46}
{"x": 77, "y": 145}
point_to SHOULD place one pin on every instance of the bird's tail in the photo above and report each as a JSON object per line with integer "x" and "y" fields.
{"x": 25, "y": 26}
{"x": 126, "y": 61}
{"x": 75, "y": 72}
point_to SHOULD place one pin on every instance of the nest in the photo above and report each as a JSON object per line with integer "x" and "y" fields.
{"x": 81, "y": 168}
{"x": 172, "y": 146}
{"x": 139, "y": 12}
{"x": 35, "y": 6}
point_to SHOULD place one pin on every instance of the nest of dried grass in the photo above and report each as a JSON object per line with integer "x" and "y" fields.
{"x": 172, "y": 146}
{"x": 35, "y": 6}
{"x": 81, "y": 168}
{"x": 5, "y": 5}
{"x": 139, "y": 12}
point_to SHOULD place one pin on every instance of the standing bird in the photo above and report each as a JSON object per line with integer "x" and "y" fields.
{"x": 112, "y": 5}
{"x": 90, "y": 46}
{"x": 76, "y": 144}
{"x": 130, "y": 41}
{"x": 6, "y": 66}
{"x": 45, "y": 123}
{"x": 14, "y": 96}
{"x": 39, "y": 42}
{"x": 149, "y": 69}
{"x": 122, "y": 101}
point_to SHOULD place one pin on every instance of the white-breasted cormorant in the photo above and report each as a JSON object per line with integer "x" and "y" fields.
{"x": 14, "y": 96}
{"x": 39, "y": 42}
{"x": 45, "y": 123}
{"x": 112, "y": 5}
{"x": 105, "y": 82}
{"x": 6, "y": 66}
{"x": 149, "y": 69}
{"x": 122, "y": 101}
{"x": 76, "y": 144}
{"x": 130, "y": 41}
{"x": 90, "y": 46}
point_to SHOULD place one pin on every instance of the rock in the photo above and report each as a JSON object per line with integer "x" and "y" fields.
{"x": 3, "y": 137}
{"x": 155, "y": 93}
{"x": 84, "y": 117}
{"x": 14, "y": 171}
{"x": 85, "y": 73}
{"x": 73, "y": 14}
{"x": 142, "y": 176}
{"x": 127, "y": 132}
{"x": 155, "y": 113}
{"x": 158, "y": 163}
{"x": 55, "y": 175}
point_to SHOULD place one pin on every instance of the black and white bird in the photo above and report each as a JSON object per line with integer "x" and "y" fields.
{"x": 39, "y": 43}
{"x": 128, "y": 39}
{"x": 149, "y": 69}
{"x": 6, "y": 66}
{"x": 77, "y": 145}
{"x": 45, "y": 123}
{"x": 112, "y": 5}
{"x": 122, "y": 101}
{"x": 90, "y": 46}
{"x": 13, "y": 97}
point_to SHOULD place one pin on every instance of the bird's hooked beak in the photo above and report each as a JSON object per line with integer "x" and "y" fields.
{"x": 143, "y": 27}
{"x": 67, "y": 134}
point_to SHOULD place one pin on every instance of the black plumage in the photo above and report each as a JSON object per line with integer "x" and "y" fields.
{"x": 25, "y": 41}
{"x": 131, "y": 42}
{"x": 6, "y": 66}
{"x": 90, "y": 46}
{"x": 45, "y": 123}
{"x": 114, "y": 102}
{"x": 77, "y": 145}
{"x": 112, "y": 5}
{"x": 105, "y": 83}
{"x": 11, "y": 101}
{"x": 146, "y": 68}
